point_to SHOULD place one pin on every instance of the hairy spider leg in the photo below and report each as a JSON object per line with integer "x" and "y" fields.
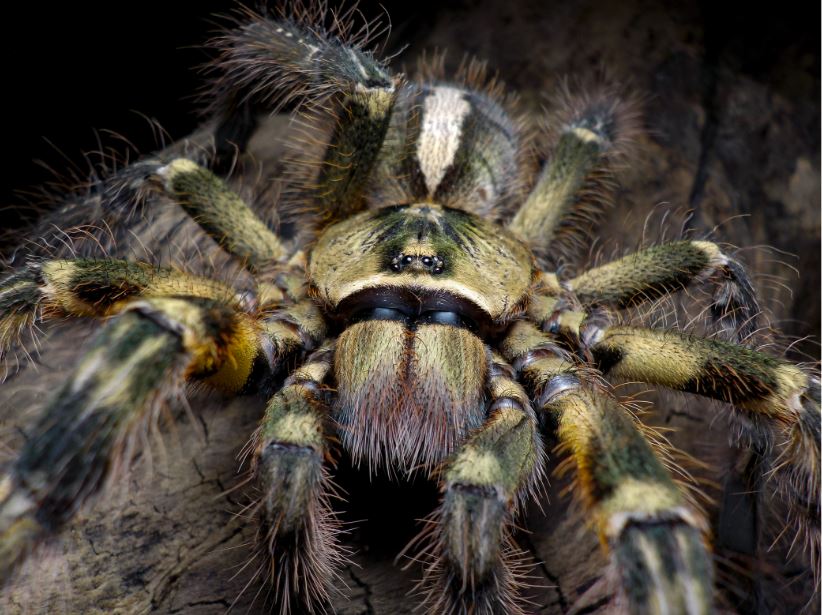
{"x": 46, "y": 289}
{"x": 88, "y": 431}
{"x": 577, "y": 181}
{"x": 653, "y": 272}
{"x": 282, "y": 64}
{"x": 297, "y": 535}
{"x": 653, "y": 536}
{"x": 472, "y": 559}
{"x": 86, "y": 434}
{"x": 780, "y": 403}
{"x": 221, "y": 213}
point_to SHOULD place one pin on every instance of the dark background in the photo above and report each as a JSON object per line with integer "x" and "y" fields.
{"x": 76, "y": 73}
{"x": 73, "y": 69}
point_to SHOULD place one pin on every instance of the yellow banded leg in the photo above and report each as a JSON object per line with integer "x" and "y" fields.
{"x": 577, "y": 182}
{"x": 285, "y": 63}
{"x": 298, "y": 530}
{"x": 654, "y": 539}
{"x": 87, "y": 432}
{"x": 780, "y": 403}
{"x": 221, "y": 213}
{"x": 474, "y": 565}
{"x": 90, "y": 287}
{"x": 651, "y": 273}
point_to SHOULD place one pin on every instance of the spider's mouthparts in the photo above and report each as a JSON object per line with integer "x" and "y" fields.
{"x": 454, "y": 319}
{"x": 414, "y": 307}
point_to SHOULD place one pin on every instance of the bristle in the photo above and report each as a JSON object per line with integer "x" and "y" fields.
{"x": 407, "y": 398}
{"x": 585, "y": 139}
{"x": 20, "y": 299}
{"x": 794, "y": 471}
{"x": 302, "y": 563}
{"x": 472, "y": 74}
{"x": 444, "y": 591}
{"x": 735, "y": 307}
{"x": 652, "y": 272}
{"x": 301, "y": 56}
{"x": 298, "y": 532}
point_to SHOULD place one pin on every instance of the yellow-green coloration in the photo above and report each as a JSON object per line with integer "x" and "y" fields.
{"x": 482, "y": 263}
{"x": 503, "y": 454}
{"x": 744, "y": 377}
{"x": 438, "y": 335}
{"x": 617, "y": 469}
{"x": 488, "y": 477}
{"x": 361, "y": 126}
{"x": 647, "y": 274}
{"x": 96, "y": 287}
{"x": 291, "y": 417}
{"x": 294, "y": 415}
{"x": 297, "y": 528}
{"x": 640, "y": 514}
{"x": 221, "y": 213}
{"x": 407, "y": 398}
{"x": 385, "y": 346}
{"x": 577, "y": 155}
{"x": 91, "y": 287}
{"x": 221, "y": 341}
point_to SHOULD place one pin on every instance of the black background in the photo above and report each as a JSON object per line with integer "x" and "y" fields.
{"x": 73, "y": 70}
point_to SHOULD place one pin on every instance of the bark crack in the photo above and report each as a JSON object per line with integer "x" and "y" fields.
{"x": 369, "y": 608}
{"x": 165, "y": 585}
{"x": 710, "y": 130}
{"x": 561, "y": 601}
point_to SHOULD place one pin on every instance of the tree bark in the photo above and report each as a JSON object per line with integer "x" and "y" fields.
{"x": 734, "y": 139}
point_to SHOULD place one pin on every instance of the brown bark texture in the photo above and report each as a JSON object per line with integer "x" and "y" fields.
{"x": 739, "y": 145}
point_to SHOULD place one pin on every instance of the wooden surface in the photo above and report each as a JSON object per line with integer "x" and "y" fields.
{"x": 734, "y": 139}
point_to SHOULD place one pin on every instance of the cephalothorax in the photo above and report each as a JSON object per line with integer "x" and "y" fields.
{"x": 428, "y": 334}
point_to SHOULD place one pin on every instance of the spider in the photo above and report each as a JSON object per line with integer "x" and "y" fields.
{"x": 417, "y": 326}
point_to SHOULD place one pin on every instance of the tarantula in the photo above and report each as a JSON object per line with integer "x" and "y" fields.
{"x": 416, "y": 325}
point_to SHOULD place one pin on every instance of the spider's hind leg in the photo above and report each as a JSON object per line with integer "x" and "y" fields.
{"x": 297, "y": 534}
{"x": 299, "y": 64}
{"x": 592, "y": 132}
{"x": 473, "y": 566}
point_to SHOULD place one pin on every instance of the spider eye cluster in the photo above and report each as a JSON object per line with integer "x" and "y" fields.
{"x": 430, "y": 264}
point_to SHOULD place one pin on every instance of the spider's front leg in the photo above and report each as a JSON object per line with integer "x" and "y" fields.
{"x": 645, "y": 276}
{"x": 473, "y": 564}
{"x": 296, "y": 64}
{"x": 87, "y": 433}
{"x": 651, "y": 273}
{"x": 654, "y": 537}
{"x": 297, "y": 534}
